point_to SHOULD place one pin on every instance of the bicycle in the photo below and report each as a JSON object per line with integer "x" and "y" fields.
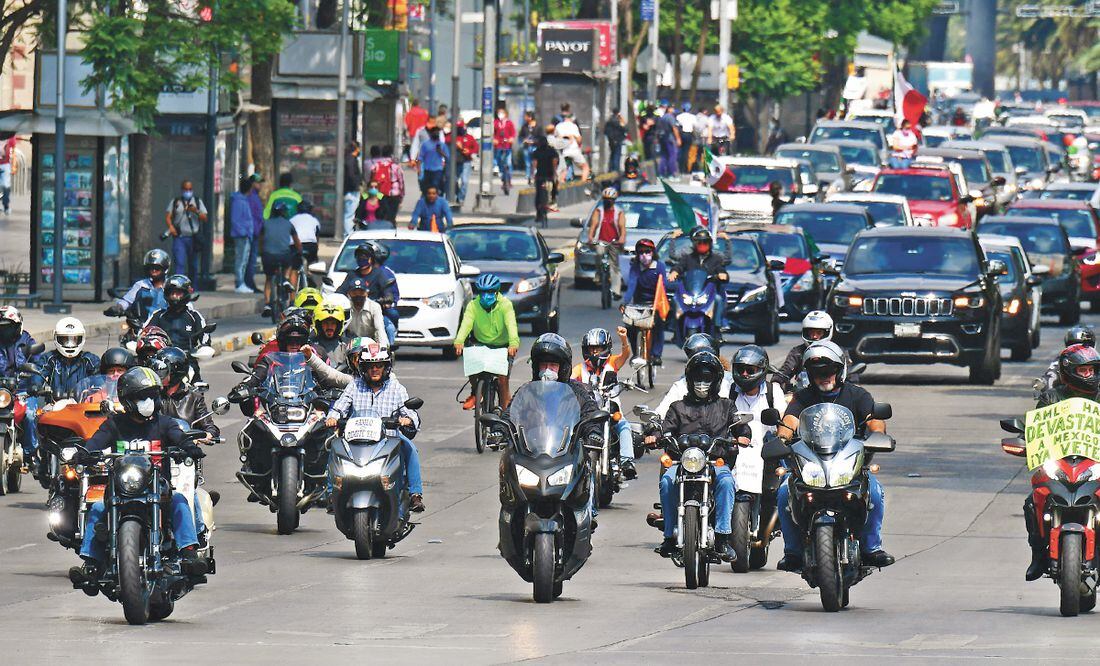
{"x": 485, "y": 388}
{"x": 282, "y": 295}
{"x": 639, "y": 320}
{"x": 603, "y": 273}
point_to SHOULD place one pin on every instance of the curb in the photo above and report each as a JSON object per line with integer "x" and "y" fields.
{"x": 237, "y": 342}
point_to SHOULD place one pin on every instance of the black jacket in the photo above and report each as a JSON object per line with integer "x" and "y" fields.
{"x": 190, "y": 406}
{"x": 792, "y": 365}
{"x": 184, "y": 327}
{"x": 376, "y": 280}
{"x": 1058, "y": 393}
{"x": 692, "y": 416}
{"x": 713, "y": 263}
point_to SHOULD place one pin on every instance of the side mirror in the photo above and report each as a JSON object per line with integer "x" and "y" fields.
{"x": 468, "y": 271}
{"x": 1014, "y": 446}
{"x": 857, "y": 369}
{"x": 849, "y": 170}
{"x": 414, "y": 403}
{"x": 240, "y": 368}
{"x": 770, "y": 417}
{"x": 996, "y": 267}
{"x": 743, "y": 418}
{"x": 1020, "y": 171}
{"x": 210, "y": 328}
{"x": 256, "y": 338}
{"x": 317, "y": 268}
{"x": 966, "y": 198}
{"x": 1014, "y": 426}
{"x": 882, "y": 411}
{"x": 555, "y": 258}
{"x": 36, "y": 349}
{"x": 1033, "y": 280}
{"x": 998, "y": 181}
{"x": 1054, "y": 168}
{"x": 879, "y": 442}
{"x": 220, "y": 406}
{"x": 975, "y": 194}
{"x": 774, "y": 447}
{"x": 576, "y": 223}
{"x": 829, "y": 268}
{"x": 776, "y": 264}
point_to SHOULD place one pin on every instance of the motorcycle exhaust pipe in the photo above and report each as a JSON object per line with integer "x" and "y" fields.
{"x": 764, "y": 534}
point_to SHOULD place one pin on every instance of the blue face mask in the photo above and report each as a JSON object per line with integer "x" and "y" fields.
{"x": 187, "y": 194}
{"x": 488, "y": 300}
{"x": 363, "y": 262}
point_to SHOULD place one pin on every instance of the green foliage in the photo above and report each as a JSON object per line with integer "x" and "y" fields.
{"x": 903, "y": 22}
{"x": 775, "y": 42}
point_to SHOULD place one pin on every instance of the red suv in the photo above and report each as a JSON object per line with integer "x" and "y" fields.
{"x": 933, "y": 194}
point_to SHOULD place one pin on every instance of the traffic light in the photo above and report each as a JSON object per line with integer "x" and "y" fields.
{"x": 733, "y": 77}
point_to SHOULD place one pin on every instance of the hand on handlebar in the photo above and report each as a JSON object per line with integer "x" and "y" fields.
{"x": 650, "y": 441}
{"x": 743, "y": 441}
{"x": 458, "y": 348}
{"x": 405, "y": 421}
{"x": 331, "y": 422}
{"x": 512, "y": 351}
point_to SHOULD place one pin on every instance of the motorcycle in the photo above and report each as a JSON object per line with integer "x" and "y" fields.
{"x": 695, "y": 297}
{"x": 12, "y": 411}
{"x": 829, "y": 492}
{"x": 1066, "y": 493}
{"x": 368, "y": 477}
{"x": 135, "y": 316}
{"x": 755, "y": 521}
{"x": 284, "y": 444}
{"x": 546, "y": 490}
{"x": 604, "y": 460}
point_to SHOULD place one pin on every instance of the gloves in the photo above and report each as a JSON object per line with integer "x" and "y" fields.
{"x": 188, "y": 450}
{"x": 238, "y": 394}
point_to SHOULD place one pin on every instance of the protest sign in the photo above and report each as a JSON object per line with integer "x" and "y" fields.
{"x": 1068, "y": 428}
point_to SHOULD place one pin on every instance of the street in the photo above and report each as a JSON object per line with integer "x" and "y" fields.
{"x": 444, "y": 595}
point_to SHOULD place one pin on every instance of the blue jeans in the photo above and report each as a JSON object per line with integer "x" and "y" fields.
{"x": 432, "y": 179}
{"x": 720, "y": 308}
{"x": 626, "y": 440}
{"x": 463, "y": 184}
{"x": 185, "y": 258}
{"x": 669, "y": 161}
{"x": 183, "y": 526}
{"x": 615, "y": 155}
{"x": 242, "y": 249}
{"x": 391, "y": 329}
{"x": 30, "y": 429}
{"x": 871, "y": 537}
{"x": 503, "y": 159}
{"x": 900, "y": 162}
{"x": 250, "y": 268}
{"x": 723, "y": 500}
{"x": 410, "y": 458}
{"x": 529, "y": 162}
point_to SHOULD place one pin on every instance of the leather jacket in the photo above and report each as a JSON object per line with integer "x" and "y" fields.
{"x": 190, "y": 405}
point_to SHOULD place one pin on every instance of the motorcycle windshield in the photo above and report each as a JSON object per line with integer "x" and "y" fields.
{"x": 96, "y": 388}
{"x": 826, "y": 427}
{"x": 289, "y": 379}
{"x": 695, "y": 282}
{"x": 545, "y": 414}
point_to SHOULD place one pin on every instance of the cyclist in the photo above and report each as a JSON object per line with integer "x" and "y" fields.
{"x": 608, "y": 224}
{"x": 597, "y": 361}
{"x": 492, "y": 321}
{"x": 645, "y": 287}
{"x": 147, "y": 294}
{"x": 279, "y": 245}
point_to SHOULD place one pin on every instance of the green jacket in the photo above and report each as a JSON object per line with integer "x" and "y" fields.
{"x": 493, "y": 328}
{"x": 283, "y": 193}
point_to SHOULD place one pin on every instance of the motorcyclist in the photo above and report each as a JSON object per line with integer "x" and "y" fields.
{"x": 702, "y": 256}
{"x": 826, "y": 367}
{"x": 328, "y": 330}
{"x": 146, "y": 296}
{"x": 389, "y": 303}
{"x": 1078, "y": 335}
{"x": 697, "y": 342}
{"x": 645, "y": 283}
{"x": 381, "y": 286}
{"x": 116, "y": 361}
{"x": 375, "y": 393}
{"x": 151, "y": 340}
{"x": 491, "y": 321}
{"x": 139, "y": 391}
{"x": 182, "y": 401}
{"x": 816, "y": 325}
{"x": 15, "y": 345}
{"x": 702, "y": 411}
{"x": 67, "y": 364}
{"x": 292, "y": 333}
{"x": 180, "y": 320}
{"x": 632, "y": 177}
{"x": 308, "y": 299}
{"x": 331, "y": 377}
{"x": 597, "y": 360}
{"x": 753, "y": 393}
{"x": 365, "y": 318}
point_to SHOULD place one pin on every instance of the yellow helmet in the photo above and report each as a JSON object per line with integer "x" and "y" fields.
{"x": 308, "y": 298}
{"x": 327, "y": 311}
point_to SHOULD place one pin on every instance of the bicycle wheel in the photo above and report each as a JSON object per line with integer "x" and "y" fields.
{"x": 479, "y": 409}
{"x": 605, "y": 287}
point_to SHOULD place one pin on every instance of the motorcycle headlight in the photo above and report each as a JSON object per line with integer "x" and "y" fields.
{"x": 132, "y": 479}
{"x": 813, "y": 475}
{"x": 693, "y": 460}
{"x": 843, "y": 472}
{"x": 527, "y": 478}
{"x": 5, "y": 398}
{"x": 562, "y": 477}
{"x": 804, "y": 283}
{"x": 754, "y": 295}
{"x": 530, "y": 284}
{"x": 368, "y": 471}
{"x": 68, "y": 453}
{"x": 440, "y": 301}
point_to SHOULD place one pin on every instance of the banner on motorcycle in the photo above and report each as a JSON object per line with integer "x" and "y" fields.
{"x": 1068, "y": 428}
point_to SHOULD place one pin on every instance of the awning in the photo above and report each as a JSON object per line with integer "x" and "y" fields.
{"x": 298, "y": 89}
{"x": 78, "y": 122}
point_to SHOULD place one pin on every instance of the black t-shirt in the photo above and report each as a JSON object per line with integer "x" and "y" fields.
{"x": 854, "y": 397}
{"x": 544, "y": 162}
{"x": 122, "y": 428}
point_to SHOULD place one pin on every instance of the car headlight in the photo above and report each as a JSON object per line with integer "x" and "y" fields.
{"x": 68, "y": 453}
{"x": 754, "y": 295}
{"x": 1035, "y": 184}
{"x": 530, "y": 284}
{"x": 804, "y": 283}
{"x": 131, "y": 479}
{"x": 1054, "y": 471}
{"x": 693, "y": 460}
{"x": 1012, "y": 307}
{"x": 369, "y": 471}
{"x": 440, "y": 301}
{"x": 1091, "y": 259}
{"x": 562, "y": 477}
{"x": 967, "y": 301}
{"x": 813, "y": 475}
{"x": 948, "y": 220}
{"x": 5, "y": 398}
{"x": 848, "y": 301}
{"x": 527, "y": 478}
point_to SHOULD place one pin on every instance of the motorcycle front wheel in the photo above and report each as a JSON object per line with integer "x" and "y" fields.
{"x": 287, "y": 517}
{"x": 1069, "y": 574}
{"x": 363, "y": 534}
{"x": 741, "y": 539}
{"x": 829, "y": 580}
{"x": 542, "y": 565}
{"x": 693, "y": 558}
{"x": 14, "y": 473}
{"x": 133, "y": 589}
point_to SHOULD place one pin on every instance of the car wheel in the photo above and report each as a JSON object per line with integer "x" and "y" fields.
{"x": 1036, "y": 337}
{"x": 983, "y": 372}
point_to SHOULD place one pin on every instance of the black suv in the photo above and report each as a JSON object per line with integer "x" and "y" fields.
{"x": 920, "y": 295}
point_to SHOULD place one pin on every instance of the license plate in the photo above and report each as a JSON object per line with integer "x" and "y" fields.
{"x": 906, "y": 330}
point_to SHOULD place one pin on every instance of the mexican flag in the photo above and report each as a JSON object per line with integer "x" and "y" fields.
{"x": 718, "y": 177}
{"x": 908, "y": 102}
{"x": 686, "y": 217}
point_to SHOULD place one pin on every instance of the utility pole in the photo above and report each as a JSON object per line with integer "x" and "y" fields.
{"x": 488, "y": 95}
{"x": 206, "y": 279}
{"x": 431, "y": 60}
{"x": 452, "y": 173}
{"x": 724, "y": 54}
{"x": 526, "y": 57}
{"x": 341, "y": 121}
{"x": 57, "y": 307}
{"x": 654, "y": 35}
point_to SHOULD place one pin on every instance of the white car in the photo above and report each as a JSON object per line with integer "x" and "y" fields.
{"x": 433, "y": 282}
{"x": 886, "y": 210}
{"x": 747, "y": 199}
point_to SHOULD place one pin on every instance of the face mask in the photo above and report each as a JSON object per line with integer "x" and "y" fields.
{"x": 501, "y": 115}
{"x": 363, "y": 262}
{"x": 373, "y": 193}
{"x": 645, "y": 258}
{"x": 700, "y": 389}
{"x": 548, "y": 375}
{"x": 187, "y": 194}
{"x": 702, "y": 248}
{"x": 146, "y": 407}
{"x": 358, "y": 302}
{"x": 488, "y": 300}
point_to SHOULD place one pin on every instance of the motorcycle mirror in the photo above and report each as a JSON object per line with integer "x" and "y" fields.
{"x": 770, "y": 417}
{"x": 36, "y": 349}
{"x": 240, "y": 367}
{"x": 201, "y": 387}
{"x": 742, "y": 418}
{"x": 1013, "y": 426}
{"x": 29, "y": 367}
{"x": 256, "y": 338}
{"x": 195, "y": 297}
{"x": 1014, "y": 446}
{"x": 882, "y": 411}
{"x": 857, "y": 368}
{"x": 414, "y": 403}
{"x": 879, "y": 442}
{"x": 327, "y": 281}
{"x": 220, "y": 406}
{"x": 205, "y": 351}
{"x": 774, "y": 447}
{"x": 598, "y": 416}
{"x": 210, "y": 328}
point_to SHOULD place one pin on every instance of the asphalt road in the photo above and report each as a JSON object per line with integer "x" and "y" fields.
{"x": 444, "y": 595}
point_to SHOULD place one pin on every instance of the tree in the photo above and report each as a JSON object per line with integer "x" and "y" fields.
{"x": 16, "y": 15}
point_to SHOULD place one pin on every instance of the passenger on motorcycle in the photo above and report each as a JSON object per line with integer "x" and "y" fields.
{"x": 597, "y": 359}
{"x": 753, "y": 393}
{"x": 180, "y": 320}
{"x": 151, "y": 340}
{"x": 375, "y": 393}
{"x": 139, "y": 391}
{"x": 146, "y": 296}
{"x": 817, "y": 325}
{"x": 389, "y": 305}
{"x": 1078, "y": 335}
{"x": 15, "y": 344}
{"x": 366, "y": 319}
{"x": 331, "y": 377}
{"x": 699, "y": 342}
{"x": 702, "y": 410}
{"x": 491, "y": 320}
{"x": 646, "y": 277}
{"x": 713, "y": 263}
{"x": 825, "y": 365}
{"x": 116, "y": 361}
{"x": 381, "y": 287}
{"x": 328, "y": 330}
{"x": 308, "y": 299}
{"x": 181, "y": 400}
{"x": 68, "y": 363}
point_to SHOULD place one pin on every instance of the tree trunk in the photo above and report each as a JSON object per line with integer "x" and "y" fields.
{"x": 704, "y": 33}
{"x": 836, "y": 74}
{"x": 677, "y": 48}
{"x": 145, "y": 228}
{"x": 633, "y": 60}
{"x": 261, "y": 134}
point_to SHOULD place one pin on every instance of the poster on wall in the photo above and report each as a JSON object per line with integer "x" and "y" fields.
{"x": 77, "y": 228}
{"x": 307, "y": 149}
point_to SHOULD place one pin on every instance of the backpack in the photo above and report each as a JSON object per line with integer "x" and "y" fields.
{"x": 380, "y": 175}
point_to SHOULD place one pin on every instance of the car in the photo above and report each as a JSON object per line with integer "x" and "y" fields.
{"x": 527, "y": 269}
{"x": 829, "y": 130}
{"x": 1000, "y": 160}
{"x": 1048, "y": 248}
{"x": 647, "y": 216}
{"x": 884, "y": 117}
{"x": 1075, "y": 119}
{"x": 1091, "y": 109}
{"x": 702, "y": 199}
{"x": 801, "y": 279}
{"x": 983, "y": 183}
{"x": 752, "y": 291}
{"x": 863, "y": 157}
{"x": 933, "y": 192}
{"x": 1021, "y": 295}
{"x": 1068, "y": 191}
{"x": 916, "y": 295}
{"x": 432, "y": 279}
{"x": 1029, "y": 157}
{"x": 747, "y": 198}
{"x": 1078, "y": 218}
{"x": 887, "y": 210}
{"x": 829, "y": 168}
{"x": 830, "y": 227}
{"x": 935, "y": 135}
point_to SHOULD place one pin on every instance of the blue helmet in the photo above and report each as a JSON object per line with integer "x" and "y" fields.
{"x": 487, "y": 283}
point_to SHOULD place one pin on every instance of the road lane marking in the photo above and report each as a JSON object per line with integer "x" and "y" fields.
{"x": 15, "y": 548}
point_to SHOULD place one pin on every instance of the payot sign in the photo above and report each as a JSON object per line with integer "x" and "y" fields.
{"x": 606, "y": 46}
{"x": 568, "y": 50}
{"x": 1068, "y": 428}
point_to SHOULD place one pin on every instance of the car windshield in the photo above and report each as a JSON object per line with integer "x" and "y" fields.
{"x": 289, "y": 379}
{"x": 974, "y": 170}
{"x": 1066, "y": 194}
{"x": 888, "y": 123}
{"x": 847, "y": 132}
{"x": 822, "y": 160}
{"x": 912, "y": 254}
{"x": 783, "y": 245}
{"x": 748, "y": 178}
{"x": 884, "y": 213}
{"x": 96, "y": 388}
{"x": 1068, "y": 119}
{"x": 545, "y": 414}
{"x": 935, "y": 140}
{"x": 1077, "y": 223}
{"x": 1028, "y": 157}
{"x": 912, "y": 186}
{"x": 824, "y": 226}
{"x": 474, "y": 245}
{"x": 861, "y": 155}
{"x": 742, "y": 255}
{"x": 416, "y": 257}
{"x": 1012, "y": 275}
{"x": 826, "y": 427}
{"x": 655, "y": 213}
{"x": 998, "y": 160}
{"x": 1036, "y": 238}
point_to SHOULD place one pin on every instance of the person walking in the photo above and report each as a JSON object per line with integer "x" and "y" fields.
{"x": 431, "y": 213}
{"x": 241, "y": 231}
{"x": 415, "y": 120}
{"x": 467, "y": 150}
{"x": 353, "y": 183}
{"x": 668, "y": 133}
{"x": 185, "y": 217}
{"x": 432, "y": 159}
{"x": 546, "y": 175}
{"x": 256, "y": 206}
{"x": 504, "y": 136}
{"x": 528, "y": 136}
{"x": 389, "y": 178}
{"x": 570, "y": 134}
{"x": 614, "y": 130}
{"x": 7, "y": 170}
{"x": 686, "y": 120}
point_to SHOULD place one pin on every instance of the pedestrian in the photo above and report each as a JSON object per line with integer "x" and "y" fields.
{"x": 285, "y": 193}
{"x": 903, "y": 144}
{"x": 556, "y": 145}
{"x": 467, "y": 151}
{"x": 686, "y": 120}
{"x": 668, "y": 132}
{"x": 432, "y": 212}
{"x": 256, "y": 206}
{"x": 504, "y": 136}
{"x": 388, "y": 177}
{"x": 241, "y": 231}
{"x": 353, "y": 183}
{"x": 7, "y": 170}
{"x": 565, "y": 110}
{"x": 614, "y": 130}
{"x": 415, "y": 120}
{"x": 185, "y": 217}
{"x": 528, "y": 136}
{"x": 568, "y": 131}
{"x": 367, "y": 215}
{"x": 306, "y": 226}
{"x": 373, "y": 155}
{"x": 722, "y": 132}
{"x": 647, "y": 127}
{"x": 432, "y": 159}
{"x": 546, "y": 175}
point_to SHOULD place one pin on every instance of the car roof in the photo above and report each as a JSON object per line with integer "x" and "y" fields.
{"x": 942, "y": 232}
{"x": 1072, "y": 185}
{"x": 781, "y": 162}
{"x": 849, "y": 143}
{"x": 1052, "y": 204}
{"x": 952, "y": 152}
{"x": 1019, "y": 219}
{"x": 1016, "y": 140}
{"x": 969, "y": 144}
{"x": 766, "y": 227}
{"x": 482, "y": 226}
{"x": 1000, "y": 241}
{"x": 395, "y": 234}
{"x": 856, "y": 124}
{"x": 827, "y": 207}
{"x": 822, "y": 147}
{"x": 948, "y": 130}
{"x": 867, "y": 197}
{"x": 513, "y": 218}
{"x": 937, "y": 170}
{"x": 871, "y": 113}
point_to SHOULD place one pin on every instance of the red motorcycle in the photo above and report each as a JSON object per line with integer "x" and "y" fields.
{"x": 1066, "y": 494}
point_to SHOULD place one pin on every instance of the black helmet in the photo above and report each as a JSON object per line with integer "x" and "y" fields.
{"x": 1081, "y": 335}
{"x": 552, "y": 348}
{"x": 280, "y": 208}
{"x": 175, "y": 362}
{"x": 381, "y": 252}
{"x": 304, "y": 206}
{"x": 1070, "y": 369}
{"x": 292, "y": 331}
{"x": 116, "y": 357}
{"x": 701, "y": 235}
{"x": 750, "y": 365}
{"x": 135, "y": 386}
{"x": 698, "y": 342}
{"x": 181, "y": 286}
{"x": 156, "y": 259}
{"x": 365, "y": 250}
{"x": 596, "y": 347}
{"x": 704, "y": 376}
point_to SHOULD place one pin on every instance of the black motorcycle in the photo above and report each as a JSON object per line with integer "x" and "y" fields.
{"x": 546, "y": 489}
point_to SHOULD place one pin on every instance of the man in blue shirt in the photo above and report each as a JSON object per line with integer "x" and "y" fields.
{"x": 432, "y": 212}
{"x": 432, "y": 158}
{"x": 241, "y": 230}
{"x": 257, "y": 208}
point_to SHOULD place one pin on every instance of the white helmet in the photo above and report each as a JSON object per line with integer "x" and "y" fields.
{"x": 68, "y": 337}
{"x": 817, "y": 320}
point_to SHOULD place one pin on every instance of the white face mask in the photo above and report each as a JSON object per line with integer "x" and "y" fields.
{"x": 146, "y": 407}
{"x": 548, "y": 375}
{"x": 700, "y": 389}
{"x": 500, "y": 115}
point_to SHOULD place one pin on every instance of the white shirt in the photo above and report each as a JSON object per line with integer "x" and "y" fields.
{"x": 679, "y": 391}
{"x": 748, "y": 471}
{"x": 904, "y": 143}
{"x": 687, "y": 122}
{"x": 567, "y": 129}
{"x": 720, "y": 126}
{"x": 306, "y": 226}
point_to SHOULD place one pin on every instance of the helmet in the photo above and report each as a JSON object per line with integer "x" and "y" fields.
{"x": 328, "y": 312}
{"x": 609, "y": 193}
{"x": 818, "y": 320}
{"x": 304, "y": 206}
{"x": 175, "y": 361}
{"x": 824, "y": 358}
{"x": 151, "y": 340}
{"x": 1081, "y": 335}
{"x": 701, "y": 235}
{"x": 1071, "y": 367}
{"x": 156, "y": 258}
{"x": 704, "y": 376}
{"x": 487, "y": 283}
{"x": 644, "y": 245}
{"x": 355, "y": 346}
{"x": 135, "y": 387}
{"x": 698, "y": 342}
{"x": 180, "y": 285}
{"x": 750, "y": 364}
{"x": 308, "y": 298}
{"x": 305, "y": 314}
{"x": 68, "y": 337}
{"x": 341, "y": 301}
{"x": 551, "y": 348}
{"x": 365, "y": 250}
{"x": 374, "y": 353}
{"x": 280, "y": 208}
{"x": 11, "y": 325}
{"x": 596, "y": 347}
{"x": 116, "y": 357}
{"x": 381, "y": 252}
{"x": 292, "y": 331}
